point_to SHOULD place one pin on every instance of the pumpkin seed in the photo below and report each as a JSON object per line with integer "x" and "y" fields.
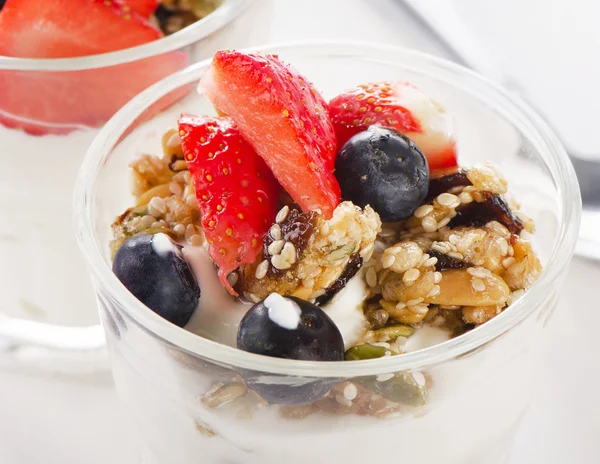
{"x": 367, "y": 351}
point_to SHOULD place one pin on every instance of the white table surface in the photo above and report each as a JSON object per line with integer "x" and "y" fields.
{"x": 71, "y": 420}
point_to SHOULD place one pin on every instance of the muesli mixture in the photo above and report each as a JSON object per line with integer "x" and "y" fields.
{"x": 291, "y": 223}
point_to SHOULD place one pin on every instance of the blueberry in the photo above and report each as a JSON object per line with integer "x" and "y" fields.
{"x": 385, "y": 169}
{"x": 153, "y": 268}
{"x": 291, "y": 328}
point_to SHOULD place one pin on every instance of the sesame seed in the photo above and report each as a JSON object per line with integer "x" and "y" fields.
{"x": 444, "y": 222}
{"x": 350, "y": 391}
{"x": 435, "y": 290}
{"x": 401, "y": 305}
{"x": 411, "y": 275}
{"x": 517, "y": 269}
{"x": 429, "y": 224}
{"x": 430, "y": 262}
{"x": 419, "y": 309}
{"x": 448, "y": 200}
{"x": 275, "y": 232}
{"x": 289, "y": 252}
{"x": 419, "y": 379}
{"x": 275, "y": 247}
{"x": 387, "y": 260}
{"x": 157, "y": 206}
{"x": 261, "y": 269}
{"x": 437, "y": 277}
{"x": 465, "y": 197}
{"x": 384, "y": 377}
{"x": 480, "y": 272}
{"x": 279, "y": 263}
{"x": 508, "y": 262}
{"x": 282, "y": 214}
{"x": 478, "y": 284}
{"x": 343, "y": 401}
{"x": 179, "y": 229}
{"x": 371, "y": 277}
{"x": 192, "y": 201}
{"x": 423, "y": 211}
{"x": 414, "y": 301}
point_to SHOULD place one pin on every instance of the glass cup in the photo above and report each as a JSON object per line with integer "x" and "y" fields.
{"x": 50, "y": 111}
{"x": 458, "y": 402}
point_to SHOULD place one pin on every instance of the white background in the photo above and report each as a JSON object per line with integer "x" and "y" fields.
{"x": 78, "y": 420}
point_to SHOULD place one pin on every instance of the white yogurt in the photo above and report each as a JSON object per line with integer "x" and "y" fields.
{"x": 218, "y": 314}
{"x": 283, "y": 311}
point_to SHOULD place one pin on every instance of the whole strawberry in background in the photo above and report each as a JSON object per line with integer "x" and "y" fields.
{"x": 235, "y": 189}
{"x": 284, "y": 118}
{"x": 400, "y": 106}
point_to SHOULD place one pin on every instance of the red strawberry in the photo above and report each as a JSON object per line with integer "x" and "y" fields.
{"x": 284, "y": 118}
{"x": 56, "y": 102}
{"x": 70, "y": 28}
{"x": 397, "y": 106}
{"x": 236, "y": 192}
{"x": 144, "y": 8}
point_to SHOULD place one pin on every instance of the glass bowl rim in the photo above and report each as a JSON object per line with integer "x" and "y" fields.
{"x": 223, "y": 14}
{"x": 554, "y": 157}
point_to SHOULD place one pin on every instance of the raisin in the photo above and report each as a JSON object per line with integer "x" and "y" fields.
{"x": 445, "y": 183}
{"x": 491, "y": 208}
{"x": 296, "y": 229}
{"x": 446, "y": 262}
{"x": 354, "y": 264}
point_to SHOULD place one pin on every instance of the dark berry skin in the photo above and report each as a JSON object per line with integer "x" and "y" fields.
{"x": 316, "y": 338}
{"x": 162, "y": 281}
{"x": 384, "y": 169}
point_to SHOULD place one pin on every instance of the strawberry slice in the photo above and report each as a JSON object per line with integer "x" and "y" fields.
{"x": 284, "y": 118}
{"x": 58, "y": 101}
{"x": 236, "y": 192}
{"x": 144, "y": 8}
{"x": 399, "y": 106}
